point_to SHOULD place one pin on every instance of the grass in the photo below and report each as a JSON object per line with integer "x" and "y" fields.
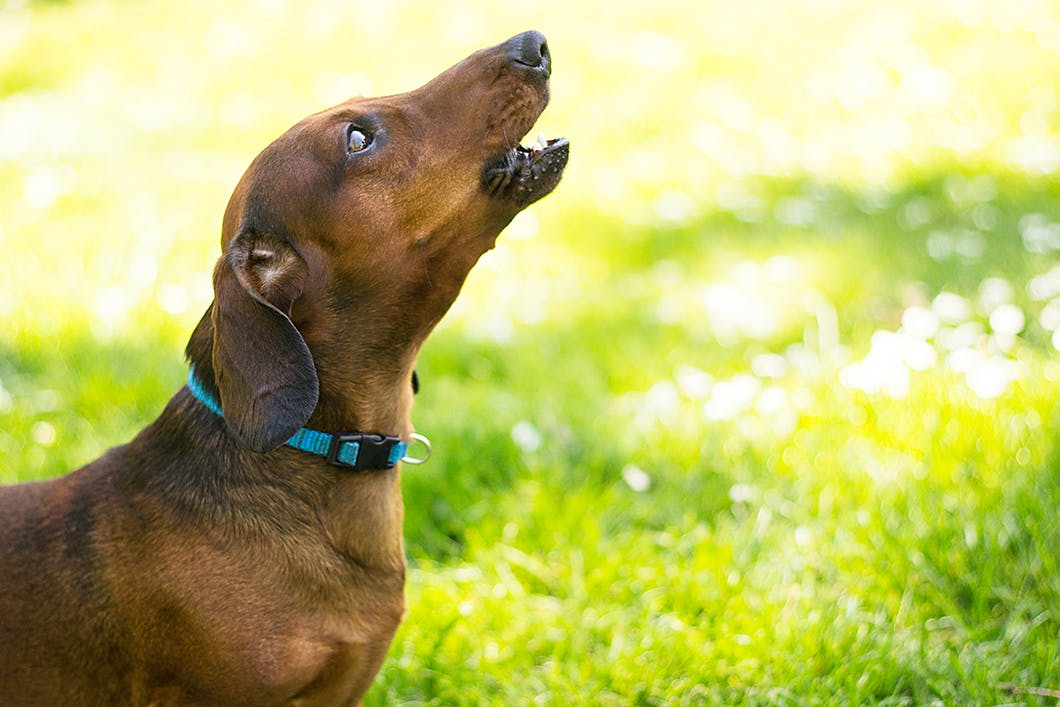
{"x": 759, "y": 408}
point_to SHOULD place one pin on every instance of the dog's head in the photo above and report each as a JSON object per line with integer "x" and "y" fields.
{"x": 350, "y": 236}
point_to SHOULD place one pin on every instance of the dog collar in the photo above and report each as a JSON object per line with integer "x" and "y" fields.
{"x": 350, "y": 450}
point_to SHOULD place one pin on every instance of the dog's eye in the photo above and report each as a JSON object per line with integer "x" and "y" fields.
{"x": 357, "y": 140}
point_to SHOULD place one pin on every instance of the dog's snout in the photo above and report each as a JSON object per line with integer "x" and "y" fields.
{"x": 530, "y": 49}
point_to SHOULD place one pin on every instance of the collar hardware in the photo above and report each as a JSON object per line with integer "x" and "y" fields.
{"x": 365, "y": 451}
{"x": 415, "y": 461}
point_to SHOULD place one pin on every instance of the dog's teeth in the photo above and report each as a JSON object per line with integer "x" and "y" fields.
{"x": 541, "y": 143}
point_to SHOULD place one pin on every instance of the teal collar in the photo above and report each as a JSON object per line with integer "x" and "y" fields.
{"x": 350, "y": 450}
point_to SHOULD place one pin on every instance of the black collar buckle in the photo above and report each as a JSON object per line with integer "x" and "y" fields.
{"x": 363, "y": 451}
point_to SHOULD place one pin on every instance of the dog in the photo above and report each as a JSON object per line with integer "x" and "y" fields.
{"x": 246, "y": 547}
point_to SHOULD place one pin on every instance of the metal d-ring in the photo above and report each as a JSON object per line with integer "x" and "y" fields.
{"x": 426, "y": 448}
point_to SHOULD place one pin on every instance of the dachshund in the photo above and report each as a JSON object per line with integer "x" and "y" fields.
{"x": 246, "y": 548}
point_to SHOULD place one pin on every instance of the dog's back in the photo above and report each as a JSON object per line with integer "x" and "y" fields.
{"x": 57, "y": 637}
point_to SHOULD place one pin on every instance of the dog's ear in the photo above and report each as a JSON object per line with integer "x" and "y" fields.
{"x": 265, "y": 374}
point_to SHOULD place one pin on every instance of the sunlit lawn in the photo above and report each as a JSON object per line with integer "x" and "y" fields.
{"x": 758, "y": 408}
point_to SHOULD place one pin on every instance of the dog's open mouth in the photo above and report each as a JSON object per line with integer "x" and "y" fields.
{"x": 525, "y": 174}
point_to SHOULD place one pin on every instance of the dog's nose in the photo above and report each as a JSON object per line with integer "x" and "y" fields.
{"x": 530, "y": 49}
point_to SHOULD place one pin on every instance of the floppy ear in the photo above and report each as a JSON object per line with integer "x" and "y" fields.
{"x": 265, "y": 374}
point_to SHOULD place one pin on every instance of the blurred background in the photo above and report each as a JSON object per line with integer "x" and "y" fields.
{"x": 759, "y": 407}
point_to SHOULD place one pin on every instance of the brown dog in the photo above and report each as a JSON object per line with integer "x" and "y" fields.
{"x": 208, "y": 561}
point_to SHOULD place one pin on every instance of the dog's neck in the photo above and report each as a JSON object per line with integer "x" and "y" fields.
{"x": 362, "y": 511}
{"x": 353, "y": 397}
{"x": 377, "y": 401}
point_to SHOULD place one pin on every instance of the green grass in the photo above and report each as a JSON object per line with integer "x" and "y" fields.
{"x": 679, "y": 459}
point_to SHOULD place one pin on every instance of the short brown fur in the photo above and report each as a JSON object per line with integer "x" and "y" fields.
{"x": 206, "y": 563}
